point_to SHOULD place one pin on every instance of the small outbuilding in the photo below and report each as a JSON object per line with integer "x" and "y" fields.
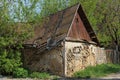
{"x": 66, "y": 43}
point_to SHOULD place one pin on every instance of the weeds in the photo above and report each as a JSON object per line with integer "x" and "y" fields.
{"x": 97, "y": 71}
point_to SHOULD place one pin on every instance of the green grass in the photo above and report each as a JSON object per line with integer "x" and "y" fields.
{"x": 40, "y": 75}
{"x": 97, "y": 71}
{"x": 24, "y": 73}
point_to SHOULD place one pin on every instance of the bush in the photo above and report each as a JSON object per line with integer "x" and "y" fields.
{"x": 20, "y": 73}
{"x": 9, "y": 60}
{"x": 39, "y": 75}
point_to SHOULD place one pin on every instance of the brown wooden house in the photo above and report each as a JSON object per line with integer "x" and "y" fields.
{"x": 64, "y": 45}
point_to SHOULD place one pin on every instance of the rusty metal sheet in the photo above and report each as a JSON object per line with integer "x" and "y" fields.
{"x": 87, "y": 25}
{"x": 78, "y": 30}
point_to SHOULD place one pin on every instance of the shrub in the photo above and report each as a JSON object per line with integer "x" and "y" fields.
{"x": 9, "y": 60}
{"x": 20, "y": 73}
{"x": 12, "y": 37}
{"x": 39, "y": 75}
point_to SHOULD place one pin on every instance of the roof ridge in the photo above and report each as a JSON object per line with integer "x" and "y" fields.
{"x": 62, "y": 10}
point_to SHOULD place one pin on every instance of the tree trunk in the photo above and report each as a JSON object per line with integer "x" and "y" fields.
{"x": 117, "y": 54}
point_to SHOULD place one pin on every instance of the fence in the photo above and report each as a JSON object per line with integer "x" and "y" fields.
{"x": 112, "y": 56}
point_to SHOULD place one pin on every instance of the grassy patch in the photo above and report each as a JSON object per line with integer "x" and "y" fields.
{"x": 40, "y": 75}
{"x": 97, "y": 71}
{"x": 24, "y": 73}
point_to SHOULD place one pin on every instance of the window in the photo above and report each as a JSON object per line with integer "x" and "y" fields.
{"x": 77, "y": 20}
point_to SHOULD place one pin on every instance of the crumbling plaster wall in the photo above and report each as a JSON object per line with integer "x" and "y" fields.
{"x": 101, "y": 55}
{"x": 64, "y": 60}
{"x": 47, "y": 61}
{"x": 78, "y": 55}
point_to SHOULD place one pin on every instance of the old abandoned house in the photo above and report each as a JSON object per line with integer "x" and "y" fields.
{"x": 64, "y": 45}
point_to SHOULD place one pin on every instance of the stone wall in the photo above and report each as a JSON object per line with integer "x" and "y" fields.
{"x": 47, "y": 61}
{"x": 78, "y": 56}
{"x": 101, "y": 55}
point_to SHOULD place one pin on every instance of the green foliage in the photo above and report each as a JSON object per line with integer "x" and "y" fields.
{"x": 20, "y": 73}
{"x": 9, "y": 61}
{"x": 97, "y": 71}
{"x": 52, "y": 6}
{"x": 108, "y": 12}
{"x": 13, "y": 33}
{"x": 40, "y": 75}
{"x": 23, "y": 73}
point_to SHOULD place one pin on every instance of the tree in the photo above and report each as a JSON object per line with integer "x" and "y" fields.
{"x": 52, "y": 6}
{"x": 16, "y": 25}
{"x": 108, "y": 15}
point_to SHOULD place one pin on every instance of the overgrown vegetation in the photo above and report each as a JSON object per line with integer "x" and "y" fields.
{"x": 97, "y": 71}
{"x": 12, "y": 36}
{"x": 20, "y": 73}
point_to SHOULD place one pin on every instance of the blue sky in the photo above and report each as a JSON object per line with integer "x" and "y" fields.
{"x": 25, "y": 3}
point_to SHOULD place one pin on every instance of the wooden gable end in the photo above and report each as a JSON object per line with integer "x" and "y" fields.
{"x": 78, "y": 30}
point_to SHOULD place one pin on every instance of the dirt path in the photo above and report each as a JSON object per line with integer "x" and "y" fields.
{"x": 112, "y": 76}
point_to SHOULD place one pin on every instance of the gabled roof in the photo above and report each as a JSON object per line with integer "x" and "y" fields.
{"x": 57, "y": 28}
{"x": 87, "y": 25}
